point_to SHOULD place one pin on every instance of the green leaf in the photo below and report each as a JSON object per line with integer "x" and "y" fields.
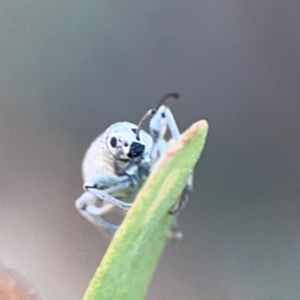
{"x": 129, "y": 263}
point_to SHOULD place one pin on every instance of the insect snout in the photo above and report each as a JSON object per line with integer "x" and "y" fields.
{"x": 136, "y": 150}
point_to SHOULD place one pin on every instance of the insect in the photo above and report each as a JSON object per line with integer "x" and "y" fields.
{"x": 118, "y": 162}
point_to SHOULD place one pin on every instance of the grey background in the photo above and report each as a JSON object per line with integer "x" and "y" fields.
{"x": 68, "y": 69}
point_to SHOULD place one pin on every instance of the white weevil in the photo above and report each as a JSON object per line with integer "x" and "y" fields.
{"x": 118, "y": 162}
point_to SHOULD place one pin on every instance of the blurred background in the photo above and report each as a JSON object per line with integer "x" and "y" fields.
{"x": 69, "y": 69}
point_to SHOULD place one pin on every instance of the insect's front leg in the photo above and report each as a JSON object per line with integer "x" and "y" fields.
{"x": 104, "y": 188}
{"x": 161, "y": 121}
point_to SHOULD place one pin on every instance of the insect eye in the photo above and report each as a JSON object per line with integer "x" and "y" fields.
{"x": 113, "y": 142}
{"x": 163, "y": 115}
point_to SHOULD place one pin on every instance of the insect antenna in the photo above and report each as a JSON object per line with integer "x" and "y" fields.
{"x": 152, "y": 112}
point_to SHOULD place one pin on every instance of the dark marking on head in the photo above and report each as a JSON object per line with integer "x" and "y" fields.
{"x": 113, "y": 142}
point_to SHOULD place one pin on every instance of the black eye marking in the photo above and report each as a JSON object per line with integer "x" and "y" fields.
{"x": 113, "y": 142}
{"x": 125, "y": 144}
{"x": 134, "y": 130}
{"x": 163, "y": 115}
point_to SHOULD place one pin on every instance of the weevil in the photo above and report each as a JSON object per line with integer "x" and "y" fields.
{"x": 118, "y": 162}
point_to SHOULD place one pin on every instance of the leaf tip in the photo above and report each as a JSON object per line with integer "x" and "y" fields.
{"x": 200, "y": 126}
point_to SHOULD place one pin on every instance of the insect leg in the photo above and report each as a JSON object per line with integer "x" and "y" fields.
{"x": 184, "y": 198}
{"x": 85, "y": 204}
{"x": 102, "y": 182}
{"x": 106, "y": 193}
{"x": 175, "y": 235}
{"x": 158, "y": 126}
{"x": 161, "y": 121}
